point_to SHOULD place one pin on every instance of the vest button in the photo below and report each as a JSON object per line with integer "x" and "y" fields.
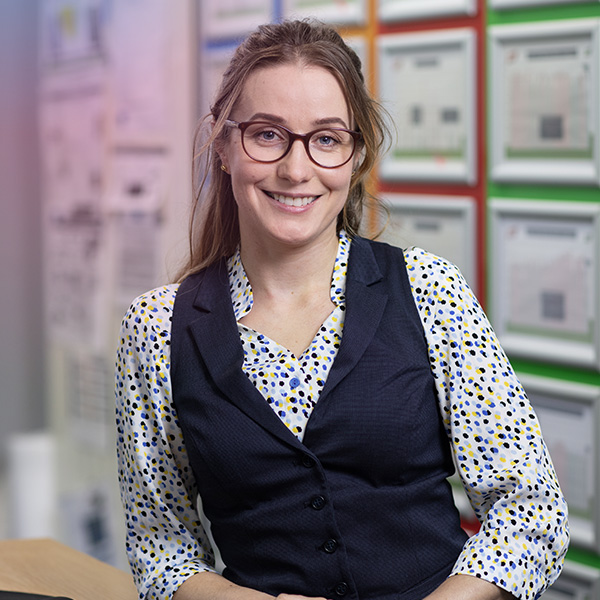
{"x": 318, "y": 502}
{"x": 308, "y": 461}
{"x": 330, "y": 546}
{"x": 341, "y": 589}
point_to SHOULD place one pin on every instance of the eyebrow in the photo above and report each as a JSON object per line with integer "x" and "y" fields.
{"x": 279, "y": 121}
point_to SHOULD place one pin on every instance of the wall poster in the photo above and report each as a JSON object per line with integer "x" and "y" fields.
{"x": 443, "y": 225}
{"x": 500, "y": 4}
{"x": 340, "y": 12}
{"x": 544, "y": 280}
{"x": 405, "y": 10}
{"x": 545, "y": 106}
{"x": 227, "y": 19}
{"x": 569, "y": 416}
{"x": 427, "y": 83}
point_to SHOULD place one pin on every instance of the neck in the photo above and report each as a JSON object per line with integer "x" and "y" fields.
{"x": 297, "y": 269}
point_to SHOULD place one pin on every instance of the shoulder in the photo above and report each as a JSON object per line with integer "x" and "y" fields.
{"x": 423, "y": 267}
{"x": 151, "y": 310}
{"x": 422, "y": 264}
{"x": 433, "y": 276}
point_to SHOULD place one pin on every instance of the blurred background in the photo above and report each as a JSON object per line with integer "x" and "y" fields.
{"x": 495, "y": 165}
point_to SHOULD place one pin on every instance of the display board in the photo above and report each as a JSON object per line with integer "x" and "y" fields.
{"x": 545, "y": 108}
{"x": 406, "y": 10}
{"x": 576, "y": 582}
{"x": 544, "y": 279}
{"x": 443, "y": 225}
{"x": 569, "y": 415}
{"x": 227, "y": 19}
{"x": 340, "y": 12}
{"x": 427, "y": 83}
{"x": 502, "y": 4}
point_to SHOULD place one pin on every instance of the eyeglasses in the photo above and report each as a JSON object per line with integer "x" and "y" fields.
{"x": 266, "y": 142}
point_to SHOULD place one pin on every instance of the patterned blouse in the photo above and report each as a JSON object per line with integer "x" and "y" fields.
{"x": 495, "y": 437}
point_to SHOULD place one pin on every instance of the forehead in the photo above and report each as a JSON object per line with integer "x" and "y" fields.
{"x": 293, "y": 92}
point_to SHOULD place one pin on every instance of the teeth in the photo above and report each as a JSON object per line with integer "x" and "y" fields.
{"x": 293, "y": 201}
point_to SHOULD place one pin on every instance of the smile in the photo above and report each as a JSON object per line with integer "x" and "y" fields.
{"x": 293, "y": 201}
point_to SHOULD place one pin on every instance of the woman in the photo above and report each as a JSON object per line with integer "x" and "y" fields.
{"x": 289, "y": 413}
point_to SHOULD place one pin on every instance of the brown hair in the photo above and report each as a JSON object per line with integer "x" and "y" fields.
{"x": 214, "y": 228}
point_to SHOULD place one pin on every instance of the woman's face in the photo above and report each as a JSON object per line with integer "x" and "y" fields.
{"x": 301, "y": 99}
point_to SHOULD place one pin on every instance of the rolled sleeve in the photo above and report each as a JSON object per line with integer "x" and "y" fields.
{"x": 166, "y": 542}
{"x": 495, "y": 437}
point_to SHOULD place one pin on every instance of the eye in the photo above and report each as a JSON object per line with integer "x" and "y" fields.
{"x": 265, "y": 134}
{"x": 327, "y": 140}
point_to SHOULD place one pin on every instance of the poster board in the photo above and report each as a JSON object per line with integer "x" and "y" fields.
{"x": 427, "y": 83}
{"x": 213, "y": 62}
{"x": 576, "y": 582}
{"x": 72, "y": 33}
{"x": 229, "y": 19}
{"x": 337, "y": 12}
{"x": 500, "y": 4}
{"x": 443, "y": 225}
{"x": 545, "y": 106}
{"x": 405, "y": 10}
{"x": 569, "y": 416}
{"x": 544, "y": 280}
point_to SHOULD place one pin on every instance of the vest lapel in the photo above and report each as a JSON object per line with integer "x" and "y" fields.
{"x": 365, "y": 305}
{"x": 215, "y": 334}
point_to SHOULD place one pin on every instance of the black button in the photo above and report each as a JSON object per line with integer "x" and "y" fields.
{"x": 330, "y": 546}
{"x": 341, "y": 589}
{"x": 308, "y": 461}
{"x": 318, "y": 502}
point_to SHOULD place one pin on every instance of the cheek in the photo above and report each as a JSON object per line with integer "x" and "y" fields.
{"x": 340, "y": 182}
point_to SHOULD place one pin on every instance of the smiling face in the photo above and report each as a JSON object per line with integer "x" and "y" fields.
{"x": 291, "y": 202}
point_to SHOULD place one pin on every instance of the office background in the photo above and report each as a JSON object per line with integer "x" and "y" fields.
{"x": 496, "y": 166}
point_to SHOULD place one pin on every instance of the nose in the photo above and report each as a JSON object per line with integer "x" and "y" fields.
{"x": 296, "y": 165}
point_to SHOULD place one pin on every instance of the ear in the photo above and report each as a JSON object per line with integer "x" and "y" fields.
{"x": 221, "y": 151}
{"x": 220, "y": 147}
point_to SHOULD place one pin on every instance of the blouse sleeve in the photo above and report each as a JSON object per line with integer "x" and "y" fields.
{"x": 495, "y": 437}
{"x": 166, "y": 542}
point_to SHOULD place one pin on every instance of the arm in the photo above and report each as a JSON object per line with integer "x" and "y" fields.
{"x": 211, "y": 586}
{"x": 464, "y": 587}
{"x": 166, "y": 543}
{"x": 495, "y": 437}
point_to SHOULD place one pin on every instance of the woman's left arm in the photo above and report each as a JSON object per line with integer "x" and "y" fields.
{"x": 495, "y": 436}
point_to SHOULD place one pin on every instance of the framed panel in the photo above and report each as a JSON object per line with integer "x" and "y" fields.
{"x": 500, "y": 4}
{"x": 338, "y": 12}
{"x": 405, "y": 10}
{"x": 544, "y": 283}
{"x": 427, "y": 83}
{"x": 229, "y": 19}
{"x": 545, "y": 107}
{"x": 214, "y": 60}
{"x": 72, "y": 31}
{"x": 443, "y": 225}
{"x": 569, "y": 415}
{"x": 576, "y": 582}
{"x": 358, "y": 43}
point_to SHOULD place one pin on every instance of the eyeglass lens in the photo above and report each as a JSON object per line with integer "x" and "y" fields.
{"x": 267, "y": 142}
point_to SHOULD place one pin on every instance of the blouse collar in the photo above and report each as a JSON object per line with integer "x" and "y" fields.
{"x": 241, "y": 290}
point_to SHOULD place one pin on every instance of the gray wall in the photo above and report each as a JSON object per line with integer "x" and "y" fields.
{"x": 22, "y": 402}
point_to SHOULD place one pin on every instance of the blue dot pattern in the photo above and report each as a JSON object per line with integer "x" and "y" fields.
{"x": 291, "y": 385}
{"x": 494, "y": 434}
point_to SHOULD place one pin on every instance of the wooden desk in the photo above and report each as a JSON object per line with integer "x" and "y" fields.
{"x": 47, "y": 567}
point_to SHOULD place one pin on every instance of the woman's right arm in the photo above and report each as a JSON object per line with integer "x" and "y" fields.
{"x": 211, "y": 586}
{"x": 166, "y": 543}
{"x": 168, "y": 549}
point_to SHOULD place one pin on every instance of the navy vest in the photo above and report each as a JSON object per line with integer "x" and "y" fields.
{"x": 360, "y": 509}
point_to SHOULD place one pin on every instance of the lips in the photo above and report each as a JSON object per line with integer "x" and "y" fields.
{"x": 298, "y": 201}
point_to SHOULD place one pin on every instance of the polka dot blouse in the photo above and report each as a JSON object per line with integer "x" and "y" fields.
{"x": 495, "y": 437}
